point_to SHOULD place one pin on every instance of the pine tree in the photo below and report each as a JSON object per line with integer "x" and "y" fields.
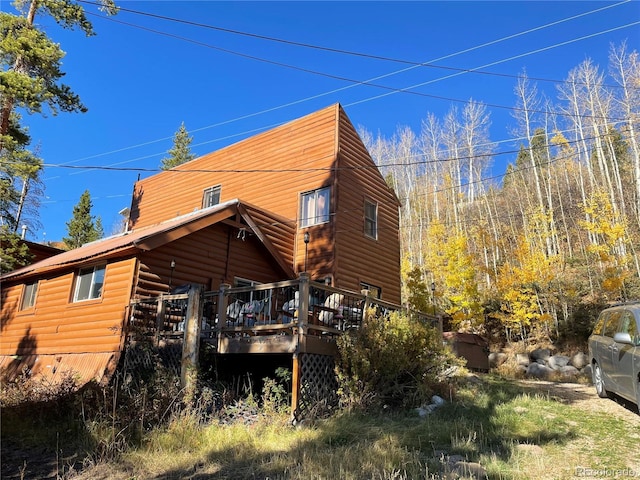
{"x": 13, "y": 252}
{"x": 82, "y": 228}
{"x": 32, "y": 62}
{"x": 181, "y": 152}
{"x": 30, "y": 75}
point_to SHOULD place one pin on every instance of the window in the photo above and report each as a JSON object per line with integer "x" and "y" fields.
{"x": 315, "y": 207}
{"x": 628, "y": 325}
{"x": 371, "y": 219}
{"x": 29, "y": 295}
{"x": 611, "y": 325}
{"x": 211, "y": 196}
{"x": 374, "y": 291}
{"x": 89, "y": 283}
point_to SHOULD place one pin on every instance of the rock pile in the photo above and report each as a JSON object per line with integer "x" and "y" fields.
{"x": 540, "y": 363}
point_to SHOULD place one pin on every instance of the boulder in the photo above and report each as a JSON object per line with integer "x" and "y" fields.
{"x": 580, "y": 360}
{"x": 587, "y": 371}
{"x": 540, "y": 354}
{"x": 496, "y": 359}
{"x": 558, "y": 361}
{"x": 538, "y": 370}
{"x": 522, "y": 359}
{"x": 469, "y": 470}
{"x": 569, "y": 371}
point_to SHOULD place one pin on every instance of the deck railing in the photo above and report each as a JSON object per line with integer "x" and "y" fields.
{"x": 295, "y": 307}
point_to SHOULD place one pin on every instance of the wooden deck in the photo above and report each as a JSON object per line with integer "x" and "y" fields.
{"x": 295, "y": 317}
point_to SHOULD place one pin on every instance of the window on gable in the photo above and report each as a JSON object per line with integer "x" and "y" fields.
{"x": 371, "y": 219}
{"x": 29, "y": 295}
{"x": 211, "y": 196}
{"x": 89, "y": 282}
{"x": 315, "y": 207}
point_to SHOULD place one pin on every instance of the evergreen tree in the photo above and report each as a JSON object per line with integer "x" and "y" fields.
{"x": 31, "y": 61}
{"x": 14, "y": 253}
{"x": 30, "y": 74}
{"x": 181, "y": 152}
{"x": 82, "y": 228}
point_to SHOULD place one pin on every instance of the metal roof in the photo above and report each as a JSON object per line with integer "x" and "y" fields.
{"x": 145, "y": 238}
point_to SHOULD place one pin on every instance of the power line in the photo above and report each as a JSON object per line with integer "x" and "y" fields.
{"x": 428, "y": 64}
{"x": 318, "y": 169}
{"x": 394, "y": 90}
{"x": 355, "y": 83}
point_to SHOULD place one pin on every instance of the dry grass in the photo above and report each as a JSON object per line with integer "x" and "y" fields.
{"x": 511, "y": 430}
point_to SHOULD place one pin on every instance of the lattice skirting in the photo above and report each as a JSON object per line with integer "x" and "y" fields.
{"x": 318, "y": 385}
{"x": 142, "y": 358}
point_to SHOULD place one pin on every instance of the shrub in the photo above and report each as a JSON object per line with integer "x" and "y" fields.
{"x": 392, "y": 360}
{"x": 276, "y": 397}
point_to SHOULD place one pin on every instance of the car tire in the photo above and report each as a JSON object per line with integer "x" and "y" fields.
{"x": 598, "y": 381}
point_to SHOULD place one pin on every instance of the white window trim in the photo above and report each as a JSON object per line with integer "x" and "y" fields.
{"x": 100, "y": 269}
{"x": 211, "y": 190}
{"x": 29, "y": 295}
{"x": 373, "y": 221}
{"x": 319, "y": 217}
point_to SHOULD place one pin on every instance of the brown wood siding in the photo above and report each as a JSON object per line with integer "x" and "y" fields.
{"x": 279, "y": 230}
{"x": 57, "y": 325}
{"x": 304, "y": 147}
{"x": 208, "y": 257}
{"x": 359, "y": 257}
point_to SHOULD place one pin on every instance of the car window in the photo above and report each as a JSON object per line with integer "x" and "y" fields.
{"x": 599, "y": 327}
{"x": 629, "y": 325}
{"x": 611, "y": 324}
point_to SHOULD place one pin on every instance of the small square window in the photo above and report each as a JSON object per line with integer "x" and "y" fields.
{"x": 211, "y": 196}
{"x": 315, "y": 207}
{"x": 371, "y": 219}
{"x": 29, "y": 295}
{"x": 89, "y": 282}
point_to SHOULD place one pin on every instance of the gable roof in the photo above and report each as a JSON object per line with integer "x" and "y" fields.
{"x": 154, "y": 236}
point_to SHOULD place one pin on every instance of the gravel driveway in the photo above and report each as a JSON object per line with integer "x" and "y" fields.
{"x": 585, "y": 397}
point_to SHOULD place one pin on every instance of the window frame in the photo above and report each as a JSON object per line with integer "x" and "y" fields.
{"x": 318, "y": 218}
{"x": 371, "y": 288}
{"x": 611, "y": 324}
{"x": 208, "y": 193}
{"x": 371, "y": 223}
{"x": 92, "y": 273}
{"x": 29, "y": 295}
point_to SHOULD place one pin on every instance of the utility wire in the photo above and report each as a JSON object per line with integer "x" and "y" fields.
{"x": 396, "y": 90}
{"x": 402, "y": 164}
{"x": 428, "y": 64}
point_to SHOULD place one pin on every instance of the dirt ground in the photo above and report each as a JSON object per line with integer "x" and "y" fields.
{"x": 585, "y": 397}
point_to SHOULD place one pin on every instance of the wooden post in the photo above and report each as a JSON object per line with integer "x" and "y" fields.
{"x": 159, "y": 318}
{"x": 303, "y": 317}
{"x": 222, "y": 313}
{"x": 367, "y": 304}
{"x": 303, "y": 311}
{"x": 295, "y": 387}
{"x": 191, "y": 344}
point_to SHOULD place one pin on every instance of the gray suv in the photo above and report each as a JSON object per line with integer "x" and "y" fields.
{"x": 614, "y": 351}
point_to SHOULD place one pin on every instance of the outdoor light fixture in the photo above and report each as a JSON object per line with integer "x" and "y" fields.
{"x": 173, "y": 267}
{"x": 306, "y": 249}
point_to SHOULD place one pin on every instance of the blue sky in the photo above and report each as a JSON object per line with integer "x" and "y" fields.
{"x": 142, "y": 76}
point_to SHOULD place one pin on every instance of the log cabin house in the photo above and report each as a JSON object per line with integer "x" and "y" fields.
{"x": 299, "y": 208}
